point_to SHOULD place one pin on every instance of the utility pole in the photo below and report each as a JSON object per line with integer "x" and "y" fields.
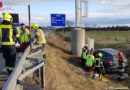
{"x": 29, "y": 17}
{"x": 81, "y": 13}
{"x": 77, "y": 13}
{"x": 78, "y": 34}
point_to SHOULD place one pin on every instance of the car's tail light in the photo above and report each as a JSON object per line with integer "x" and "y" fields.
{"x": 15, "y": 38}
{"x": 110, "y": 62}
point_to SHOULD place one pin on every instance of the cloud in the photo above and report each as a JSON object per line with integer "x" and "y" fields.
{"x": 112, "y": 2}
{"x": 43, "y": 19}
{"x": 25, "y": 2}
{"x": 118, "y": 11}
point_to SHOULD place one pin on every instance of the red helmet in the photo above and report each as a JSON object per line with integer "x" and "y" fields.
{"x": 120, "y": 54}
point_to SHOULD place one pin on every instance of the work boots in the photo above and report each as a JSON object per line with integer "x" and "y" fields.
{"x": 93, "y": 76}
{"x": 44, "y": 54}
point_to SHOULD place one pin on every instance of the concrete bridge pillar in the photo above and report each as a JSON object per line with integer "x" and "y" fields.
{"x": 77, "y": 41}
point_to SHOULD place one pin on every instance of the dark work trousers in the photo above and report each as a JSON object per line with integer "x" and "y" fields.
{"x": 43, "y": 51}
{"x": 9, "y": 54}
{"x": 83, "y": 61}
{"x": 120, "y": 73}
{"x": 43, "y": 46}
{"x": 99, "y": 71}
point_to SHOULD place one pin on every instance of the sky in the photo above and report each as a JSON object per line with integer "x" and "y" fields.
{"x": 101, "y": 12}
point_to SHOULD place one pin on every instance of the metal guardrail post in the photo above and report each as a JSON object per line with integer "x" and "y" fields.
{"x": 21, "y": 77}
{"x": 39, "y": 74}
{"x": 42, "y": 80}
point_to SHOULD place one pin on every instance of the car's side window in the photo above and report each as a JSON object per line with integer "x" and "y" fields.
{"x": 104, "y": 57}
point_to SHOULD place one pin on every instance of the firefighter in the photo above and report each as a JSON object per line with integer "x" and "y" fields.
{"x": 98, "y": 66}
{"x": 83, "y": 56}
{"x": 89, "y": 61}
{"x": 24, "y": 35}
{"x": 40, "y": 38}
{"x": 121, "y": 66}
{"x": 7, "y": 34}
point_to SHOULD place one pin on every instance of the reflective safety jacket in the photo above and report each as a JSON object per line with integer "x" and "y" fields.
{"x": 121, "y": 64}
{"x": 7, "y": 33}
{"x": 40, "y": 38}
{"x": 90, "y": 60}
{"x": 25, "y": 35}
{"x": 98, "y": 62}
{"x": 84, "y": 54}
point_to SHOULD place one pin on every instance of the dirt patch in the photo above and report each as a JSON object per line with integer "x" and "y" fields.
{"x": 63, "y": 71}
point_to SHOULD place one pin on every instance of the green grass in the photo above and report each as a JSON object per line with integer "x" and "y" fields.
{"x": 102, "y": 41}
{"x": 108, "y": 39}
{"x": 111, "y": 33}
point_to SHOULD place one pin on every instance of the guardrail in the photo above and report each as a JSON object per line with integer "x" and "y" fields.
{"x": 15, "y": 81}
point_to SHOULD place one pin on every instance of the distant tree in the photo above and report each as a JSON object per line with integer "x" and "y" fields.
{"x": 69, "y": 23}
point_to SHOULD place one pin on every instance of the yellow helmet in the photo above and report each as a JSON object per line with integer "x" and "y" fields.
{"x": 35, "y": 26}
{"x": 8, "y": 17}
{"x": 100, "y": 54}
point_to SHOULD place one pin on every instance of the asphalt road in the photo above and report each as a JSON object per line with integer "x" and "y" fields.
{"x": 2, "y": 63}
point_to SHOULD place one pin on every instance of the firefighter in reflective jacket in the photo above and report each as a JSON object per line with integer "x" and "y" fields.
{"x": 7, "y": 34}
{"x": 121, "y": 66}
{"x": 24, "y": 35}
{"x": 98, "y": 66}
{"x": 89, "y": 61}
{"x": 40, "y": 38}
{"x": 84, "y": 56}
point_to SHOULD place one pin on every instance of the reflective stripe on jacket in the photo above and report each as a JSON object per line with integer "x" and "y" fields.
{"x": 84, "y": 54}
{"x": 25, "y": 36}
{"x": 98, "y": 62}
{"x": 121, "y": 65}
{"x": 6, "y": 35}
{"x": 90, "y": 60}
{"x": 9, "y": 68}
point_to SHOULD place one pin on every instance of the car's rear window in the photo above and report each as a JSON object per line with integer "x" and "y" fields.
{"x": 115, "y": 57}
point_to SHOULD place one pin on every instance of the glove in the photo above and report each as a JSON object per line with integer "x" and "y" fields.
{"x": 19, "y": 40}
{"x": 93, "y": 68}
{"x": 102, "y": 68}
{"x": 21, "y": 34}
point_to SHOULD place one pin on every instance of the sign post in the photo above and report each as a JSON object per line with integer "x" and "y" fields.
{"x": 29, "y": 17}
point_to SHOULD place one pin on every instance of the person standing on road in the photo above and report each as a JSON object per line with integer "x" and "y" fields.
{"x": 98, "y": 66}
{"x": 7, "y": 34}
{"x": 89, "y": 61}
{"x": 121, "y": 66}
{"x": 24, "y": 35}
{"x": 84, "y": 56}
{"x": 40, "y": 38}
